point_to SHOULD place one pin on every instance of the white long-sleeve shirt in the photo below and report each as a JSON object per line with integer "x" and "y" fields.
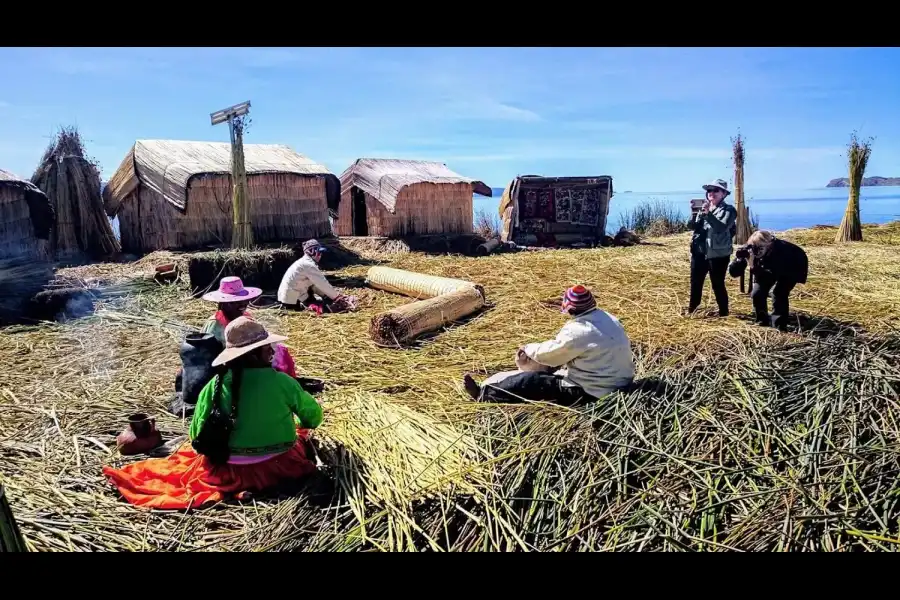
{"x": 302, "y": 277}
{"x": 593, "y": 351}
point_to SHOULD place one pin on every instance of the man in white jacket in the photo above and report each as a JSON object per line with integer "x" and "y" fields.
{"x": 304, "y": 280}
{"x": 590, "y": 358}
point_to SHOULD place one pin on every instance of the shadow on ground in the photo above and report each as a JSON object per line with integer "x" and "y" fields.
{"x": 817, "y": 326}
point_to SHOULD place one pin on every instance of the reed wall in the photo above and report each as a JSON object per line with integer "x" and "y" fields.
{"x": 284, "y": 207}
{"x": 17, "y": 238}
{"x": 421, "y": 209}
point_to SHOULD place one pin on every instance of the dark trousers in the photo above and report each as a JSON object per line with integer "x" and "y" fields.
{"x": 716, "y": 268}
{"x": 534, "y": 385}
{"x": 325, "y": 303}
{"x": 763, "y": 284}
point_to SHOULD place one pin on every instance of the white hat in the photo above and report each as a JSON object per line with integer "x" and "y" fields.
{"x": 717, "y": 184}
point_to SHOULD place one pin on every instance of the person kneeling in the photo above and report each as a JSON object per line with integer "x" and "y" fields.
{"x": 304, "y": 280}
{"x": 244, "y": 437}
{"x": 232, "y": 300}
{"x": 777, "y": 266}
{"x": 591, "y": 357}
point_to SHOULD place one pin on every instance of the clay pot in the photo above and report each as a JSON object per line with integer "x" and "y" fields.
{"x": 140, "y": 436}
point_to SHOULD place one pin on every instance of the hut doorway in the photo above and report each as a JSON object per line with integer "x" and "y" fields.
{"x": 358, "y": 210}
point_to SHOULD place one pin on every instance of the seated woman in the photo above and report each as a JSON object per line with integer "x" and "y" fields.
{"x": 244, "y": 437}
{"x": 591, "y": 357}
{"x": 303, "y": 281}
{"x": 777, "y": 266}
{"x": 232, "y": 300}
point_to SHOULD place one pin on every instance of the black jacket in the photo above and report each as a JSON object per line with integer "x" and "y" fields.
{"x": 783, "y": 261}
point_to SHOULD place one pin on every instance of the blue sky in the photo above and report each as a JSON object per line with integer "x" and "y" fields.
{"x": 655, "y": 119}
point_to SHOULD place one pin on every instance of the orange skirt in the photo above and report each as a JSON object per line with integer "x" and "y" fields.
{"x": 186, "y": 479}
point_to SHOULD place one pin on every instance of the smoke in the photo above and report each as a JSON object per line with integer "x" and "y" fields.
{"x": 20, "y": 279}
{"x": 61, "y": 304}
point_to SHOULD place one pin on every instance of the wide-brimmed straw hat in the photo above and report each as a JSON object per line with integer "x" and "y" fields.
{"x": 244, "y": 335}
{"x": 231, "y": 289}
{"x": 717, "y": 184}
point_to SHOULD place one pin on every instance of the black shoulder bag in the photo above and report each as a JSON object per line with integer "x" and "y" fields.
{"x": 212, "y": 441}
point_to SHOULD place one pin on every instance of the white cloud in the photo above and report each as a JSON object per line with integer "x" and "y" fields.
{"x": 480, "y": 107}
{"x": 537, "y": 151}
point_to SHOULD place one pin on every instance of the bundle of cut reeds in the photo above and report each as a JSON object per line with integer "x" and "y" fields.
{"x": 858, "y": 154}
{"x": 401, "y": 325}
{"x": 744, "y": 225}
{"x": 72, "y": 183}
{"x": 415, "y": 285}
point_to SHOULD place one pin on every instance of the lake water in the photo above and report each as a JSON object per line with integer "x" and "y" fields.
{"x": 777, "y": 209}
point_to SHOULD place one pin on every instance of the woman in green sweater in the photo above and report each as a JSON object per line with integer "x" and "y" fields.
{"x": 248, "y": 433}
{"x": 266, "y": 400}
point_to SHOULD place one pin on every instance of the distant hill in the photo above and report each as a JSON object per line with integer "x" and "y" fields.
{"x": 875, "y": 181}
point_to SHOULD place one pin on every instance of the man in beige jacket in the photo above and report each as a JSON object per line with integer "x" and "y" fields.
{"x": 589, "y": 358}
{"x": 304, "y": 281}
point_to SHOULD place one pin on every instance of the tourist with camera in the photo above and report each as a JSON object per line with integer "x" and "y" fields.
{"x": 711, "y": 245}
{"x": 777, "y": 266}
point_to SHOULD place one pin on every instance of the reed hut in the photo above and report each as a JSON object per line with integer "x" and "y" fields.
{"x": 26, "y": 219}
{"x": 398, "y": 198}
{"x": 177, "y": 195}
{"x": 550, "y": 211}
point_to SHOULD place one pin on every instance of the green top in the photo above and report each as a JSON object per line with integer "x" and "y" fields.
{"x": 214, "y": 327}
{"x": 265, "y": 424}
{"x": 718, "y": 223}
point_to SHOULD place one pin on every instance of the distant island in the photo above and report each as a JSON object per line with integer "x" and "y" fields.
{"x": 866, "y": 182}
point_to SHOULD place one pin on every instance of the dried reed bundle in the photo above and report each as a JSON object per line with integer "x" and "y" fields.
{"x": 242, "y": 232}
{"x": 415, "y": 285}
{"x": 72, "y": 183}
{"x": 858, "y": 154}
{"x": 744, "y": 225}
{"x": 488, "y": 247}
{"x": 401, "y": 325}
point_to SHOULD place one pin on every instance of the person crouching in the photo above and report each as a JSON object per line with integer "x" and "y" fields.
{"x": 590, "y": 358}
{"x": 777, "y": 266}
{"x": 304, "y": 280}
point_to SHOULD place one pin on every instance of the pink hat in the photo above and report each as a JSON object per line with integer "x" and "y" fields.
{"x": 231, "y": 289}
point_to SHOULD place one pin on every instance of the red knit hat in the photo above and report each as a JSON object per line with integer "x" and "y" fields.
{"x": 578, "y": 299}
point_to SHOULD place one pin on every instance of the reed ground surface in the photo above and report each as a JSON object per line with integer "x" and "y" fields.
{"x": 740, "y": 438}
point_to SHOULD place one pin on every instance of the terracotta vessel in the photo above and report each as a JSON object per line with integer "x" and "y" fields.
{"x": 140, "y": 436}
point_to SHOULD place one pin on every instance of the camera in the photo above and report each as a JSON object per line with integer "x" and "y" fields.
{"x": 742, "y": 253}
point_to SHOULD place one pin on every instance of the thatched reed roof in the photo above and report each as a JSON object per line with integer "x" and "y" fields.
{"x": 383, "y": 178}
{"x": 167, "y": 167}
{"x": 39, "y": 207}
